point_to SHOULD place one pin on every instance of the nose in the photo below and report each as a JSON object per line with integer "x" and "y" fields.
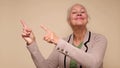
{"x": 79, "y": 14}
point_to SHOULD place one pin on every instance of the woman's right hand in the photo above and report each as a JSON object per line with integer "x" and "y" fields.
{"x": 27, "y": 34}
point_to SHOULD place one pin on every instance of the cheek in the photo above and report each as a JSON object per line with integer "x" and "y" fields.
{"x": 85, "y": 16}
{"x": 71, "y": 20}
{"x": 72, "y": 16}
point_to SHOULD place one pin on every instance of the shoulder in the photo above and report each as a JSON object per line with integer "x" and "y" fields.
{"x": 98, "y": 37}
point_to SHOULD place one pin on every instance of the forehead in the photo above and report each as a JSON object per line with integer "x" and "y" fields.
{"x": 77, "y": 6}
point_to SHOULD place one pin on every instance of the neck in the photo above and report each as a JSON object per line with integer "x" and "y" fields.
{"x": 79, "y": 34}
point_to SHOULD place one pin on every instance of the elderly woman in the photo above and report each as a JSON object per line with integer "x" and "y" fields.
{"x": 82, "y": 49}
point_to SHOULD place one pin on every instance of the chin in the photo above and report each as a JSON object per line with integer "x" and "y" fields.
{"x": 79, "y": 23}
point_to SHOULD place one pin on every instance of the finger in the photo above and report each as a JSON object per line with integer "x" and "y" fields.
{"x": 48, "y": 40}
{"x": 45, "y": 37}
{"x": 51, "y": 37}
{"x": 23, "y": 24}
{"x": 44, "y": 28}
{"x": 27, "y": 32}
{"x": 24, "y": 35}
{"x": 27, "y": 29}
{"x": 24, "y": 32}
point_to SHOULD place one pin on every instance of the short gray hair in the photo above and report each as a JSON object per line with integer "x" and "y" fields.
{"x": 69, "y": 10}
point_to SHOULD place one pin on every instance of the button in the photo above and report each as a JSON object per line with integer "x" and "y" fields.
{"x": 66, "y": 52}
{"x": 62, "y": 49}
{"x": 58, "y": 48}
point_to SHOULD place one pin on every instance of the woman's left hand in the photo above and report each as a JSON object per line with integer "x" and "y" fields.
{"x": 50, "y": 36}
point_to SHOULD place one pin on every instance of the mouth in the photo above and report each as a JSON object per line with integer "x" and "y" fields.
{"x": 79, "y": 18}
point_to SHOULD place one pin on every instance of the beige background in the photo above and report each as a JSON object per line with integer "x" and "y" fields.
{"x": 104, "y": 19}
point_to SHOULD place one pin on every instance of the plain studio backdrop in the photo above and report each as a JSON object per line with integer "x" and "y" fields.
{"x": 104, "y": 19}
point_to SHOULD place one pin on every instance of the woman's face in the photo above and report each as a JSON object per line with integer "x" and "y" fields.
{"x": 78, "y": 16}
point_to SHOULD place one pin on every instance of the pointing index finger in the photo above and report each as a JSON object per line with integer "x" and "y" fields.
{"x": 23, "y": 23}
{"x": 44, "y": 28}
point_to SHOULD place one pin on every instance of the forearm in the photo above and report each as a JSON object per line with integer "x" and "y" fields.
{"x": 36, "y": 55}
{"x": 40, "y": 62}
{"x": 86, "y": 59}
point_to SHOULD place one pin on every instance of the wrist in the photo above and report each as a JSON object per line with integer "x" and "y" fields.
{"x": 29, "y": 43}
{"x": 56, "y": 41}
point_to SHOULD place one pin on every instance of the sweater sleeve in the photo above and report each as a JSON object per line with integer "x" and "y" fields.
{"x": 91, "y": 59}
{"x": 39, "y": 60}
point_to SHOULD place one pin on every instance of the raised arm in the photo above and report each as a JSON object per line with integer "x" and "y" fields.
{"x": 40, "y": 62}
{"x": 92, "y": 59}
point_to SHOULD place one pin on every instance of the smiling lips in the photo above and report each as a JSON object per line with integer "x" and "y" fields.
{"x": 79, "y": 18}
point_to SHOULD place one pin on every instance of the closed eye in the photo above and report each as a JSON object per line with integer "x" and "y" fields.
{"x": 82, "y": 12}
{"x": 74, "y": 12}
